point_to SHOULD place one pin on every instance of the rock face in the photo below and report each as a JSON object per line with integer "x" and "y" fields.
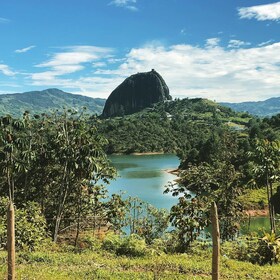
{"x": 135, "y": 93}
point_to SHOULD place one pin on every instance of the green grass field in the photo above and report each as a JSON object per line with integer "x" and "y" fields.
{"x": 67, "y": 264}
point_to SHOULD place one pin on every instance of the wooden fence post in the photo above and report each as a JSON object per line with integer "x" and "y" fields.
{"x": 216, "y": 242}
{"x": 11, "y": 241}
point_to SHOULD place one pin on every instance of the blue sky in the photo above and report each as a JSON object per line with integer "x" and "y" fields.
{"x": 223, "y": 50}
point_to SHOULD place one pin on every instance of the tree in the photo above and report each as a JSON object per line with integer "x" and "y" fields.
{"x": 207, "y": 183}
{"x": 266, "y": 159}
{"x": 52, "y": 160}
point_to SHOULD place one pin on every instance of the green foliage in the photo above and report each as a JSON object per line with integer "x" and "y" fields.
{"x": 219, "y": 183}
{"x": 88, "y": 241}
{"x": 145, "y": 220}
{"x": 265, "y": 250}
{"x": 266, "y": 169}
{"x": 268, "y": 250}
{"x": 53, "y": 160}
{"x": 180, "y": 126}
{"x": 47, "y": 101}
{"x": 254, "y": 199}
{"x": 70, "y": 265}
{"x": 189, "y": 218}
{"x": 117, "y": 210}
{"x": 242, "y": 248}
{"x": 29, "y": 223}
{"x": 132, "y": 245}
{"x": 112, "y": 242}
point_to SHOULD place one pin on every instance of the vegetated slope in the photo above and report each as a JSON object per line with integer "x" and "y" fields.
{"x": 169, "y": 126}
{"x": 267, "y": 107}
{"x": 45, "y": 101}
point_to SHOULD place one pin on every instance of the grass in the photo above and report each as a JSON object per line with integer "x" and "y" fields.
{"x": 86, "y": 264}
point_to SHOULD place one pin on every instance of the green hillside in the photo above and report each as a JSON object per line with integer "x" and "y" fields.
{"x": 45, "y": 101}
{"x": 267, "y": 107}
{"x": 170, "y": 126}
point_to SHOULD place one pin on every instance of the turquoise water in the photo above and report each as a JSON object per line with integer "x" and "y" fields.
{"x": 145, "y": 176}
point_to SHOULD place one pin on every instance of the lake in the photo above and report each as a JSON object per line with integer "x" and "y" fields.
{"x": 145, "y": 176}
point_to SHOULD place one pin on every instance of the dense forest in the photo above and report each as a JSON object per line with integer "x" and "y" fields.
{"x": 55, "y": 169}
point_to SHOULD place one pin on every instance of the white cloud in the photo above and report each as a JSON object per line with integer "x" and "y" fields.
{"x": 212, "y": 42}
{"x": 265, "y": 43}
{"x": 237, "y": 44}
{"x": 261, "y": 12}
{"x": 211, "y": 71}
{"x": 5, "y": 69}
{"x": 25, "y": 49}
{"x": 128, "y": 4}
{"x": 75, "y": 55}
{"x": 70, "y": 61}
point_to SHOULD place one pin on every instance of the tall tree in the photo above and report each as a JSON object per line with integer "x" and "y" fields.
{"x": 266, "y": 158}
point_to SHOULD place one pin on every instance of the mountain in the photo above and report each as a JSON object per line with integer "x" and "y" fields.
{"x": 37, "y": 102}
{"x": 264, "y": 108}
{"x": 136, "y": 93}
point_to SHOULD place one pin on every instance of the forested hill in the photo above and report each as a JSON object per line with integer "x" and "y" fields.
{"x": 170, "y": 126}
{"x": 38, "y": 102}
{"x": 264, "y": 108}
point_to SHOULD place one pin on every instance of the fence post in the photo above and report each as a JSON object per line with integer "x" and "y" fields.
{"x": 216, "y": 242}
{"x": 11, "y": 240}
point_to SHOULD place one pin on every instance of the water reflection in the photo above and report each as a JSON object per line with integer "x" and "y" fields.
{"x": 145, "y": 177}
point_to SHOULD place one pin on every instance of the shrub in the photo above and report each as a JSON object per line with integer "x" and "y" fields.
{"x": 30, "y": 225}
{"x": 88, "y": 241}
{"x": 268, "y": 250}
{"x": 111, "y": 242}
{"x": 242, "y": 249}
{"x": 132, "y": 245}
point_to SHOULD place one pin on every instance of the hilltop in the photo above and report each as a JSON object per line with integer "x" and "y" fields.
{"x": 264, "y": 108}
{"x": 48, "y": 100}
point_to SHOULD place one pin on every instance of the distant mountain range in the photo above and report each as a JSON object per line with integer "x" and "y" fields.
{"x": 264, "y": 108}
{"x": 37, "y": 102}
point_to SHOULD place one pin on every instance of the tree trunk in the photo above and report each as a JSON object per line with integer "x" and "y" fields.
{"x": 216, "y": 242}
{"x": 272, "y": 208}
{"x": 11, "y": 241}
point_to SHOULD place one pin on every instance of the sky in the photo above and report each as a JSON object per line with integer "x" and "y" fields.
{"x": 223, "y": 50}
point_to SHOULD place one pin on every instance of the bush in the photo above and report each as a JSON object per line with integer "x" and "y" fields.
{"x": 242, "y": 249}
{"x": 268, "y": 250}
{"x": 249, "y": 248}
{"x": 111, "y": 242}
{"x": 88, "y": 241}
{"x": 133, "y": 245}
{"x": 30, "y": 225}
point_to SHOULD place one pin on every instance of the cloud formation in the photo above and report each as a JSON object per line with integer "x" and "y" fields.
{"x": 70, "y": 60}
{"x": 237, "y": 44}
{"x": 261, "y": 12}
{"x": 128, "y": 4}
{"x": 210, "y": 71}
{"x": 5, "y": 69}
{"x": 212, "y": 42}
{"x": 25, "y": 49}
